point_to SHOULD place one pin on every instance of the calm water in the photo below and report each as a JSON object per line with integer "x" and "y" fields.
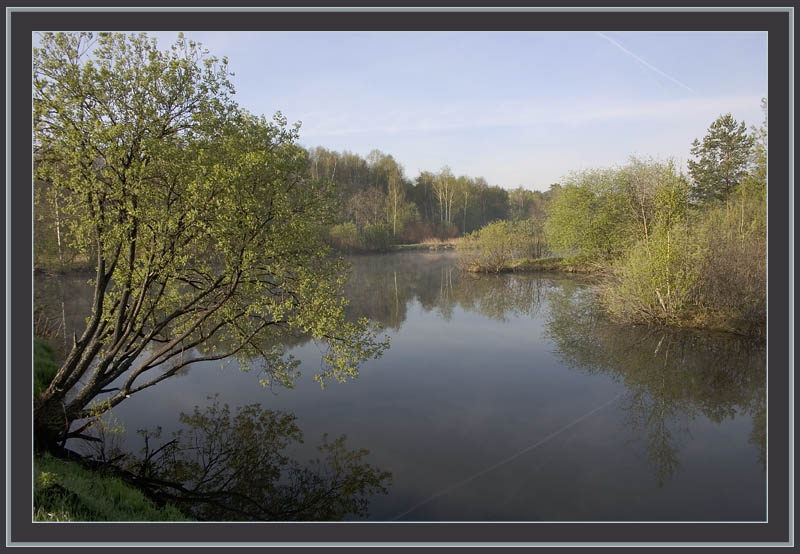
{"x": 504, "y": 398}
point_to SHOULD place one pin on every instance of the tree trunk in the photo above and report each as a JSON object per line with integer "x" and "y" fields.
{"x": 51, "y": 422}
{"x": 394, "y": 218}
{"x": 464, "y": 227}
{"x": 741, "y": 220}
{"x": 450, "y": 210}
{"x": 58, "y": 232}
{"x": 669, "y": 271}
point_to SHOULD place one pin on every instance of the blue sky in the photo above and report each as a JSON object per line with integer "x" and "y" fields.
{"x": 518, "y": 108}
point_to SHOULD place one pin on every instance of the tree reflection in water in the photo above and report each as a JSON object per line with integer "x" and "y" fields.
{"x": 384, "y": 287}
{"x": 671, "y": 375}
{"x": 224, "y": 466}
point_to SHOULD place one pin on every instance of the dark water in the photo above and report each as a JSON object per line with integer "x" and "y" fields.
{"x": 501, "y": 398}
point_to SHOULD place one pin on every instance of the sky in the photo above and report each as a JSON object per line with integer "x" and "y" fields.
{"x": 517, "y": 108}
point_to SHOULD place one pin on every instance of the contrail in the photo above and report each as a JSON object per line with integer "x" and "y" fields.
{"x": 645, "y": 63}
{"x": 474, "y": 476}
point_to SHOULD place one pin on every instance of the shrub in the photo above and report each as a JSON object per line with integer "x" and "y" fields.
{"x": 418, "y": 232}
{"x": 654, "y": 282}
{"x": 495, "y": 246}
{"x": 445, "y": 232}
{"x": 589, "y": 218}
{"x": 343, "y": 236}
{"x": 377, "y": 237}
{"x": 708, "y": 270}
{"x": 731, "y": 261}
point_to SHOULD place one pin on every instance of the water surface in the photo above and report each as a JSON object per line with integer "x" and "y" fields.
{"x": 506, "y": 398}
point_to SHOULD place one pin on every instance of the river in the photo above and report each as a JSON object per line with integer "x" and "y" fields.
{"x": 502, "y": 398}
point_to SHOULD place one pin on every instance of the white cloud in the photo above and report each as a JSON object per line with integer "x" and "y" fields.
{"x": 454, "y": 117}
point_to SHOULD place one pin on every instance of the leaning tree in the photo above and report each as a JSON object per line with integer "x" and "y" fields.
{"x": 200, "y": 219}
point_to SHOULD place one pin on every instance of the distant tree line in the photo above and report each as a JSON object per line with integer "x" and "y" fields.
{"x": 378, "y": 204}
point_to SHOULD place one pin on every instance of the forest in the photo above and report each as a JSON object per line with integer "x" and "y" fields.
{"x": 674, "y": 247}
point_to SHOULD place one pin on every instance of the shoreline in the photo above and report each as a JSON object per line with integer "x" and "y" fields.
{"x": 528, "y": 265}
{"x": 698, "y": 321}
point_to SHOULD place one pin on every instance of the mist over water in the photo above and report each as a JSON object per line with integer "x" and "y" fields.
{"x": 504, "y": 398}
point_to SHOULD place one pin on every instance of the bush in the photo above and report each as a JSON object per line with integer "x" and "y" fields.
{"x": 494, "y": 247}
{"x": 418, "y": 232}
{"x": 709, "y": 271}
{"x": 343, "y": 236}
{"x": 589, "y": 218}
{"x": 445, "y": 232}
{"x": 377, "y": 237}
{"x": 731, "y": 261}
{"x": 654, "y": 282}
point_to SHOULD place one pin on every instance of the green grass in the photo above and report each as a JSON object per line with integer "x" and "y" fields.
{"x": 45, "y": 365}
{"x": 64, "y": 491}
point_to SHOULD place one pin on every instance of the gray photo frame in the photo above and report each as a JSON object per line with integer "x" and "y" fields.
{"x": 17, "y": 323}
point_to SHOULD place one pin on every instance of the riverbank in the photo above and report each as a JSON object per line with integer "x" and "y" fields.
{"x": 540, "y": 264}
{"x": 65, "y": 491}
{"x": 433, "y": 245}
{"x": 722, "y": 324}
{"x": 543, "y": 320}
{"x": 695, "y": 319}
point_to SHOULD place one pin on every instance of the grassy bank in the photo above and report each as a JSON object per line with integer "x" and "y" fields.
{"x": 65, "y": 491}
{"x": 540, "y": 264}
{"x": 428, "y": 245}
{"x": 698, "y": 318}
{"x": 718, "y": 322}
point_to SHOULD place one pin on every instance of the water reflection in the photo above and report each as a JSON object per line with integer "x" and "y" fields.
{"x": 383, "y": 287}
{"x": 480, "y": 368}
{"x": 670, "y": 375}
{"x": 243, "y": 466}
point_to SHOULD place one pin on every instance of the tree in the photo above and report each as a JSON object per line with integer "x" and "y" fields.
{"x": 493, "y": 247}
{"x": 200, "y": 217}
{"x": 367, "y": 207}
{"x": 445, "y": 190}
{"x": 389, "y": 176}
{"x": 494, "y": 204}
{"x": 639, "y": 180}
{"x": 463, "y": 187}
{"x": 654, "y": 281}
{"x": 422, "y": 194}
{"x": 753, "y": 191}
{"x": 588, "y": 216}
{"x": 721, "y": 160}
{"x": 518, "y": 203}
